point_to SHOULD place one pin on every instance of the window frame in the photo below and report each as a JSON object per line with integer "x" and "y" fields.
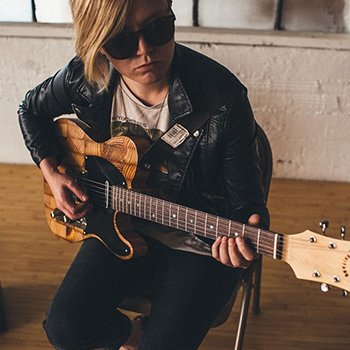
{"x": 199, "y": 35}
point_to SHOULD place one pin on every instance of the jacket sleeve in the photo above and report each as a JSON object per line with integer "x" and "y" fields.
{"x": 37, "y": 112}
{"x": 238, "y": 188}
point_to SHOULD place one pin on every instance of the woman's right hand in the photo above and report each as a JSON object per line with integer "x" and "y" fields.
{"x": 70, "y": 198}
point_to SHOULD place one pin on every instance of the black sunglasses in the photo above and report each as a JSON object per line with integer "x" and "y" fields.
{"x": 158, "y": 32}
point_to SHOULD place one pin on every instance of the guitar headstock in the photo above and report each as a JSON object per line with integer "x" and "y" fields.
{"x": 319, "y": 258}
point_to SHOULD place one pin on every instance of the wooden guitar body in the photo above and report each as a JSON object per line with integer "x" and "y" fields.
{"x": 114, "y": 161}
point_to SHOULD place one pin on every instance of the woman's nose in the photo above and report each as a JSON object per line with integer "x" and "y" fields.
{"x": 144, "y": 47}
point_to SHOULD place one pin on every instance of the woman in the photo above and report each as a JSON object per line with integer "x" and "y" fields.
{"x": 130, "y": 77}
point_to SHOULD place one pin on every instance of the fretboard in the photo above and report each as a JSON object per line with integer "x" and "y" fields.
{"x": 191, "y": 220}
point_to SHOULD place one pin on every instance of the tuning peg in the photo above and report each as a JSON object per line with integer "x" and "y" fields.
{"x": 325, "y": 287}
{"x": 342, "y": 231}
{"x": 324, "y": 224}
{"x": 345, "y": 293}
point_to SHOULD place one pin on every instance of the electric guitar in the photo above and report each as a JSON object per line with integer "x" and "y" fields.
{"x": 109, "y": 172}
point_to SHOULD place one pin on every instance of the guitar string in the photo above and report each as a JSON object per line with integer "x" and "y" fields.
{"x": 101, "y": 191}
{"x": 238, "y": 226}
{"x": 262, "y": 246}
{"x": 263, "y": 249}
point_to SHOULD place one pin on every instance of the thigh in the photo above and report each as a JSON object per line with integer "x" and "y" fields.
{"x": 190, "y": 292}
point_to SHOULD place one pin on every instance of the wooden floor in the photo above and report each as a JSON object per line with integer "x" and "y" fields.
{"x": 294, "y": 314}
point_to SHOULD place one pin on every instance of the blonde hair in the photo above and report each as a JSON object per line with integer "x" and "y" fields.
{"x": 95, "y": 22}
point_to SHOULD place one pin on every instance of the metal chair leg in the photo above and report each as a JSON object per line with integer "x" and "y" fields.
{"x": 257, "y": 287}
{"x": 247, "y": 290}
{"x": 3, "y": 323}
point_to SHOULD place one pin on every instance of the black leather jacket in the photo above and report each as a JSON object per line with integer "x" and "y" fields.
{"x": 216, "y": 170}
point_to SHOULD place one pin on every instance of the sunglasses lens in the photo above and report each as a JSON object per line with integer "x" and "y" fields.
{"x": 123, "y": 45}
{"x": 158, "y": 32}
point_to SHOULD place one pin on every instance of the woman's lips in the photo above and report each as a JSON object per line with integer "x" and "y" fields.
{"x": 147, "y": 66}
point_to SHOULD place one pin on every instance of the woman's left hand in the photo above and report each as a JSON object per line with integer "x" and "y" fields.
{"x": 235, "y": 252}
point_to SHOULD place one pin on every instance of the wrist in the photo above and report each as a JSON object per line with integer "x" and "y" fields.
{"x": 48, "y": 166}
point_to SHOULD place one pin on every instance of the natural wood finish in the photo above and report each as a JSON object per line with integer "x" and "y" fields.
{"x": 294, "y": 314}
{"x": 318, "y": 258}
{"x": 122, "y": 152}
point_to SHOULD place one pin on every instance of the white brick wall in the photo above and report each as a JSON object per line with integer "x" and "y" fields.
{"x": 298, "y": 88}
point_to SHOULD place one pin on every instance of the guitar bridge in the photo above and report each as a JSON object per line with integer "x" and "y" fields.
{"x": 59, "y": 216}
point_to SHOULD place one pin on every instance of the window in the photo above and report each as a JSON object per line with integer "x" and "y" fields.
{"x": 292, "y": 15}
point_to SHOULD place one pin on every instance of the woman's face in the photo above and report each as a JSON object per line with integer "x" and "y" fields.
{"x": 150, "y": 64}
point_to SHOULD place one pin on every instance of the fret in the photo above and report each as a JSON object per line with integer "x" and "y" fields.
{"x": 275, "y": 246}
{"x": 163, "y": 212}
{"x": 113, "y": 198}
{"x": 205, "y": 225}
{"x": 145, "y": 208}
{"x": 128, "y": 202}
{"x": 125, "y": 200}
{"x": 177, "y": 221}
{"x": 258, "y": 241}
{"x": 229, "y": 229}
{"x": 217, "y": 226}
{"x": 135, "y": 207}
{"x": 195, "y": 221}
{"x": 107, "y": 194}
{"x": 170, "y": 215}
{"x": 119, "y": 200}
{"x": 243, "y": 231}
{"x": 186, "y": 218}
{"x": 150, "y": 209}
{"x": 155, "y": 213}
{"x": 140, "y": 202}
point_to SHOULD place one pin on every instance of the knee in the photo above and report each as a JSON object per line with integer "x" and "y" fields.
{"x": 71, "y": 329}
{"x": 62, "y": 331}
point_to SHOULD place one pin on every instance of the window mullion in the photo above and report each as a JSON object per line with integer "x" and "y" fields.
{"x": 279, "y": 15}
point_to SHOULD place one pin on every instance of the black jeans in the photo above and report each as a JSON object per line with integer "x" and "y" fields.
{"x": 189, "y": 291}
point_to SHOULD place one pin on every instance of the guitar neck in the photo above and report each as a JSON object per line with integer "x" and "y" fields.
{"x": 191, "y": 220}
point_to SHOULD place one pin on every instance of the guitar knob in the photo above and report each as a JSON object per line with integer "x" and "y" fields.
{"x": 325, "y": 287}
{"x": 345, "y": 293}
